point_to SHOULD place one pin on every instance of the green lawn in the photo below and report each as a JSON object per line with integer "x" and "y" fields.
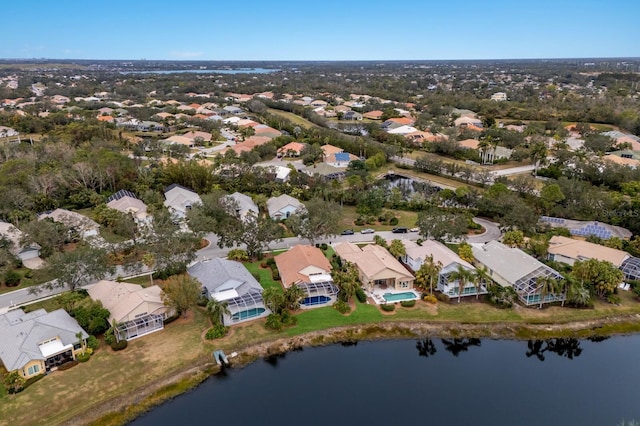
{"x": 265, "y": 275}
{"x": 323, "y": 318}
{"x": 405, "y": 218}
{"x": 36, "y": 277}
{"x": 294, "y": 118}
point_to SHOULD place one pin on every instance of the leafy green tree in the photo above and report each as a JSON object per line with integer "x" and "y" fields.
{"x": 181, "y": 292}
{"x": 513, "y": 238}
{"x": 441, "y": 224}
{"x": 317, "y": 219}
{"x": 370, "y": 202}
{"x": 465, "y": 252}
{"x": 92, "y": 316}
{"x": 74, "y": 269}
{"x": 292, "y": 297}
{"x": 13, "y": 381}
{"x": 600, "y": 276}
{"x": 347, "y": 280}
{"x": 274, "y": 300}
{"x": 49, "y": 235}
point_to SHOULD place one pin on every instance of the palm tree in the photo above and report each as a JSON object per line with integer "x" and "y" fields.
{"x": 481, "y": 276}
{"x": 546, "y": 284}
{"x": 149, "y": 260}
{"x": 216, "y": 310}
{"x": 81, "y": 341}
{"x": 273, "y": 299}
{"x": 463, "y": 276}
{"x": 428, "y": 272}
{"x": 292, "y": 297}
{"x": 397, "y": 249}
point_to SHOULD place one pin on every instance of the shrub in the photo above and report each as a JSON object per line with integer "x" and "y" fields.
{"x": 393, "y": 221}
{"x": 27, "y": 383}
{"x": 202, "y": 300}
{"x": 324, "y": 246}
{"x": 264, "y": 265}
{"x": 275, "y": 275}
{"x": 93, "y": 343}
{"x": 83, "y": 357}
{"x": 361, "y": 295}
{"x": 430, "y": 298}
{"x": 238, "y": 254}
{"x": 68, "y": 365}
{"x": 109, "y": 338}
{"x": 216, "y": 332}
{"x": 12, "y": 279}
{"x": 274, "y": 322}
{"x": 408, "y": 303}
{"x": 28, "y": 274}
{"x": 388, "y": 307}
{"x": 342, "y": 307}
{"x": 359, "y": 222}
{"x": 288, "y": 319}
{"x": 614, "y": 299}
{"x": 172, "y": 318}
{"x": 118, "y": 346}
{"x": 442, "y": 298}
{"x": 502, "y": 297}
{"x": 271, "y": 262}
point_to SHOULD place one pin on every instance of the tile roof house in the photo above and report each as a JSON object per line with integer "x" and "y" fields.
{"x": 126, "y": 202}
{"x": 450, "y": 262}
{"x": 373, "y": 115}
{"x": 229, "y": 281}
{"x": 16, "y": 248}
{"x": 325, "y": 171}
{"x": 307, "y": 267}
{"x": 511, "y": 267}
{"x": 137, "y": 310}
{"x": 340, "y": 159}
{"x": 77, "y": 223}
{"x": 283, "y": 206}
{"x": 292, "y": 149}
{"x": 179, "y": 200}
{"x": 301, "y": 263}
{"x": 376, "y": 266}
{"x": 38, "y": 342}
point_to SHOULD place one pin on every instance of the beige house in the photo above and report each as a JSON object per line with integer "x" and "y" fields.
{"x": 136, "y": 310}
{"x": 376, "y": 266}
{"x": 567, "y": 250}
{"x": 39, "y": 342}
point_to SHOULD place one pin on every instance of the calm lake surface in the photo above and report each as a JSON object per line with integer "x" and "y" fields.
{"x": 425, "y": 382}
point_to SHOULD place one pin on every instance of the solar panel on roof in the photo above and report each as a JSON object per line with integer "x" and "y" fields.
{"x": 120, "y": 194}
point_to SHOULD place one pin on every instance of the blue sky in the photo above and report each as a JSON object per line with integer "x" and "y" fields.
{"x": 320, "y": 30}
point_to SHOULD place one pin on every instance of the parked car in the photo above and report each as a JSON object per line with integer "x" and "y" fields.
{"x": 367, "y": 231}
{"x": 400, "y": 230}
{"x": 347, "y": 232}
{"x": 414, "y": 229}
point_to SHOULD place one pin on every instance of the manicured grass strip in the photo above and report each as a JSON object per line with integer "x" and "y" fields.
{"x": 266, "y": 279}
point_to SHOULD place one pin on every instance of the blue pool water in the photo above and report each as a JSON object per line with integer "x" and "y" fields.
{"x": 247, "y": 314}
{"x": 315, "y": 300}
{"x": 396, "y": 297}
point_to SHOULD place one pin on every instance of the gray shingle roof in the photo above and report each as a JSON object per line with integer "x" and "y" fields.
{"x": 21, "y": 334}
{"x": 221, "y": 274}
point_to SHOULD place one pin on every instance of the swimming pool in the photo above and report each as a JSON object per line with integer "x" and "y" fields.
{"x": 250, "y": 313}
{"x": 397, "y": 297}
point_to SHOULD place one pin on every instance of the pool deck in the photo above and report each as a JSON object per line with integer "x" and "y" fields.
{"x": 378, "y": 295}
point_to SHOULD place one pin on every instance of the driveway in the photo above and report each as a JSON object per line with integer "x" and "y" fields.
{"x": 492, "y": 232}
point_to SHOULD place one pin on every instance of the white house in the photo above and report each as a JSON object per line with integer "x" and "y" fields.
{"x": 14, "y": 236}
{"x": 283, "y": 206}
{"x": 243, "y": 204}
{"x": 126, "y": 202}
{"x": 77, "y": 223}
{"x": 179, "y": 200}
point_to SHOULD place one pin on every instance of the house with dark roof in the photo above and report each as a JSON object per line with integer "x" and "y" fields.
{"x": 230, "y": 282}
{"x": 38, "y": 342}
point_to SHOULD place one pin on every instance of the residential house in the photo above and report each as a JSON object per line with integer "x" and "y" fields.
{"x": 373, "y": 115}
{"x": 126, "y": 202}
{"x": 499, "y": 96}
{"x": 179, "y": 140}
{"x": 179, "y": 200}
{"x": 569, "y": 250}
{"x": 39, "y": 342}
{"x": 230, "y": 282}
{"x": 292, "y": 149}
{"x": 136, "y": 310}
{"x": 351, "y": 115}
{"x": 14, "y": 236}
{"x": 243, "y": 204}
{"x": 325, "y": 171}
{"x": 511, "y": 267}
{"x": 467, "y": 121}
{"x": 283, "y": 206}
{"x": 193, "y": 135}
{"x": 78, "y": 224}
{"x": 450, "y": 263}
{"x": 376, "y": 266}
{"x": 308, "y": 268}
{"x": 339, "y": 159}
{"x": 234, "y": 110}
{"x": 6, "y": 132}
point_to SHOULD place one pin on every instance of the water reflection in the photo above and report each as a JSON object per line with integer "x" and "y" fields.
{"x": 456, "y": 346}
{"x": 564, "y": 347}
{"x": 426, "y": 347}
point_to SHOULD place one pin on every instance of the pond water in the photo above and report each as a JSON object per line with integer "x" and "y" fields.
{"x": 426, "y": 382}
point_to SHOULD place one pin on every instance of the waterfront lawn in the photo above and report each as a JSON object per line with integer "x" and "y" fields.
{"x": 328, "y": 317}
{"x": 108, "y": 374}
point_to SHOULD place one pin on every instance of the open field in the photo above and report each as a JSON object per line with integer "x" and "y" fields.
{"x": 406, "y": 219}
{"x": 294, "y": 118}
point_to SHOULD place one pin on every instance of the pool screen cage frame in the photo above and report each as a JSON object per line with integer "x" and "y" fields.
{"x": 322, "y": 288}
{"x": 631, "y": 268}
{"x": 251, "y": 299}
{"x": 527, "y": 287}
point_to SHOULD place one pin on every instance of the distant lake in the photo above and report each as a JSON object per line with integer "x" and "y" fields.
{"x": 423, "y": 382}
{"x": 199, "y": 71}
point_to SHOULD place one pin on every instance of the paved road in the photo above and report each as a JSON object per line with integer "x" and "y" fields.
{"x": 512, "y": 171}
{"x": 492, "y": 232}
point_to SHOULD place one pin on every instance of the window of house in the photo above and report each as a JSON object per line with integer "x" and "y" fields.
{"x": 33, "y": 369}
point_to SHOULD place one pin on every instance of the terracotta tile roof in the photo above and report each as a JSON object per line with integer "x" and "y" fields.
{"x": 293, "y": 264}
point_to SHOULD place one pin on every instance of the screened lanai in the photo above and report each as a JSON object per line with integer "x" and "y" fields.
{"x": 631, "y": 268}
{"x": 318, "y": 293}
{"x": 246, "y": 306}
{"x": 139, "y": 327}
{"x": 529, "y": 289}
